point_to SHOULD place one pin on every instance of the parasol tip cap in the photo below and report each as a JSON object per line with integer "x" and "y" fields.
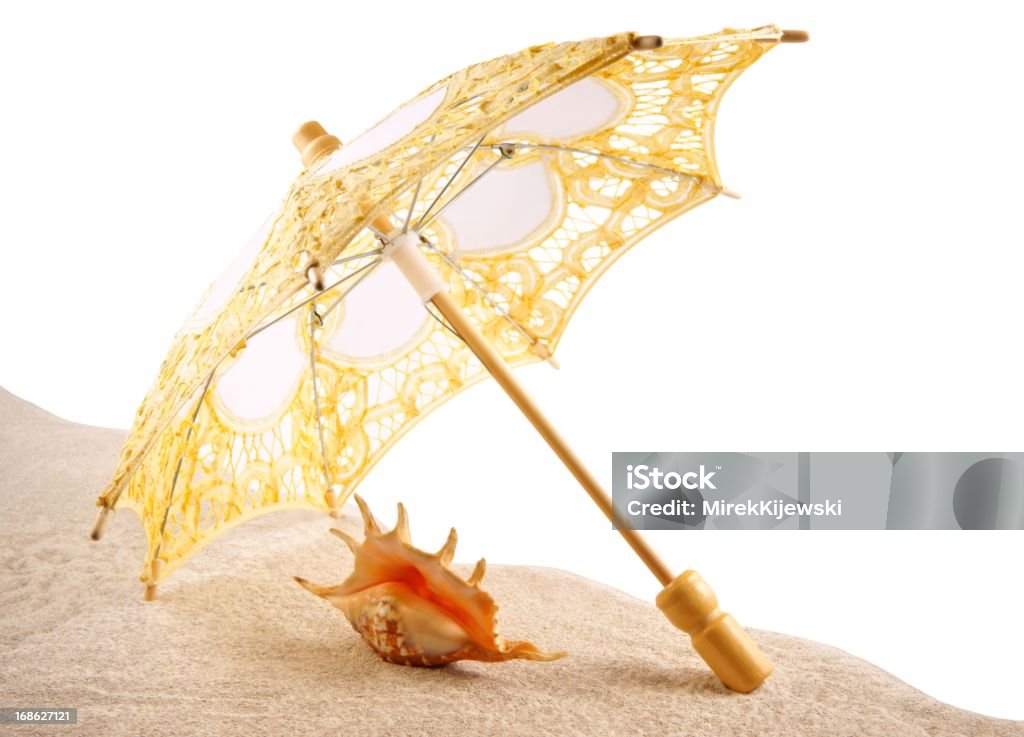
{"x": 647, "y": 43}
{"x": 314, "y": 142}
{"x": 794, "y": 37}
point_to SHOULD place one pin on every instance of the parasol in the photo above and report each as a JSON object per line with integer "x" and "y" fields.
{"x": 496, "y": 199}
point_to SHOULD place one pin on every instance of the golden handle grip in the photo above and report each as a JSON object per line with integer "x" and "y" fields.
{"x": 691, "y": 605}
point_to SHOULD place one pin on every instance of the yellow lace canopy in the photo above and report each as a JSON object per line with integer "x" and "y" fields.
{"x": 526, "y": 177}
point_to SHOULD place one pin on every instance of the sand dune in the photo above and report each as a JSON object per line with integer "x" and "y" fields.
{"x": 234, "y": 646}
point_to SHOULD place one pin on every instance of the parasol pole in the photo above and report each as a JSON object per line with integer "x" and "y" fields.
{"x": 686, "y": 600}
{"x": 502, "y": 373}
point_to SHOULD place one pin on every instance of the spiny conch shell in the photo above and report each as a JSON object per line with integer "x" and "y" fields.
{"x": 411, "y": 608}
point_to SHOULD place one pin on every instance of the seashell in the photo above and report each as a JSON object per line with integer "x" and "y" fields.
{"x": 411, "y": 608}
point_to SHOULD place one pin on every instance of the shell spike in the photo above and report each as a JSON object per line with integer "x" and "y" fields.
{"x": 478, "y": 573}
{"x": 369, "y": 523}
{"x": 331, "y": 593}
{"x": 447, "y": 551}
{"x": 402, "y": 525}
{"x": 312, "y": 587}
{"x": 528, "y": 651}
{"x": 346, "y": 538}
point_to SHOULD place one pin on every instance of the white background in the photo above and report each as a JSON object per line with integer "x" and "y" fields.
{"x": 864, "y": 295}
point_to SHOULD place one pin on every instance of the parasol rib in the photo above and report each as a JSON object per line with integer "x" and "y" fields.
{"x": 412, "y": 206}
{"x": 423, "y": 217}
{"x": 329, "y": 287}
{"x": 425, "y": 221}
{"x": 534, "y": 342}
{"x": 150, "y": 591}
{"x": 315, "y": 318}
{"x": 600, "y": 155}
{"x": 360, "y": 275}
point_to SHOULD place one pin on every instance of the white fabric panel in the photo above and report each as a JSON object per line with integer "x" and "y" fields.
{"x": 584, "y": 107}
{"x": 261, "y": 381}
{"x": 394, "y": 127}
{"x": 502, "y": 209}
{"x": 230, "y": 280}
{"x": 381, "y": 316}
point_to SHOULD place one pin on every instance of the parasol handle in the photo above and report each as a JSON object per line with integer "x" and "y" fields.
{"x": 687, "y": 600}
{"x": 691, "y": 605}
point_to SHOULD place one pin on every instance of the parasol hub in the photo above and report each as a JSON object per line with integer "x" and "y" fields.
{"x": 403, "y": 249}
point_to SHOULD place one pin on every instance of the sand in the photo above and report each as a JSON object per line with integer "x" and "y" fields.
{"x": 234, "y": 647}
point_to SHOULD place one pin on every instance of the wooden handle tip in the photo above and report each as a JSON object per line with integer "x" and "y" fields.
{"x": 156, "y": 569}
{"x": 307, "y": 133}
{"x": 314, "y": 142}
{"x": 100, "y": 526}
{"x": 794, "y": 37}
{"x": 647, "y": 43}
